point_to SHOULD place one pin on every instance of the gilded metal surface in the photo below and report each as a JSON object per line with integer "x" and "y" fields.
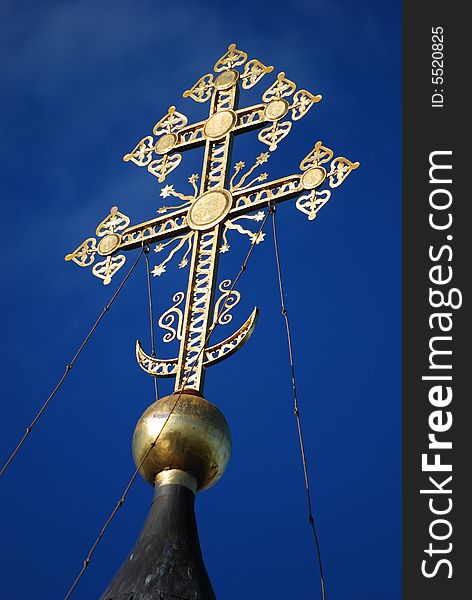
{"x": 209, "y": 209}
{"x": 157, "y": 367}
{"x": 275, "y": 133}
{"x": 170, "y": 123}
{"x": 183, "y": 241}
{"x": 165, "y": 143}
{"x": 229, "y": 60}
{"x": 108, "y": 229}
{"x": 315, "y": 175}
{"x": 114, "y": 222}
{"x": 196, "y": 439}
{"x": 276, "y": 109}
{"x": 226, "y": 79}
{"x": 219, "y": 124}
{"x": 176, "y": 477}
{"x": 197, "y": 226}
{"x": 109, "y": 244}
{"x": 212, "y": 355}
{"x": 311, "y": 203}
{"x": 84, "y": 255}
{"x": 225, "y": 303}
{"x": 313, "y": 178}
{"x": 202, "y": 90}
{"x": 233, "y": 224}
{"x": 279, "y": 89}
{"x": 218, "y": 352}
{"x": 253, "y": 72}
{"x": 161, "y": 167}
{"x": 107, "y": 268}
{"x": 172, "y": 319}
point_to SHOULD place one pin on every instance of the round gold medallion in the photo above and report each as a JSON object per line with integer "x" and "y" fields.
{"x": 226, "y": 80}
{"x": 210, "y": 209}
{"x": 109, "y": 244}
{"x": 165, "y": 143}
{"x": 276, "y": 109}
{"x": 313, "y": 178}
{"x": 219, "y": 124}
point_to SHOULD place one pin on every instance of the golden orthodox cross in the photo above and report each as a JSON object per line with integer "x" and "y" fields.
{"x": 200, "y": 224}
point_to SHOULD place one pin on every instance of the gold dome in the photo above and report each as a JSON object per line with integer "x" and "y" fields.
{"x": 196, "y": 439}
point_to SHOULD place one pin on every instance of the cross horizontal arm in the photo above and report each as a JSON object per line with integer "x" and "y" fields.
{"x": 259, "y": 196}
{"x": 155, "y": 230}
{"x": 246, "y": 201}
{"x": 190, "y": 137}
{"x": 247, "y": 119}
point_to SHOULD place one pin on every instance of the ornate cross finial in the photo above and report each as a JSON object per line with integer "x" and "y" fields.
{"x": 198, "y": 226}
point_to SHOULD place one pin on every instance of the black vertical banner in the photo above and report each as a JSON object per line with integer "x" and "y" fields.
{"x": 437, "y": 446}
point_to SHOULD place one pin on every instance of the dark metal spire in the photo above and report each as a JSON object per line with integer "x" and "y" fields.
{"x": 166, "y": 562}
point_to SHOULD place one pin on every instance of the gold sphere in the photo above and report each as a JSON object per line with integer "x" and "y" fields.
{"x": 196, "y": 439}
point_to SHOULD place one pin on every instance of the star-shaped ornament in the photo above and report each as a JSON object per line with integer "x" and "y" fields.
{"x": 263, "y": 158}
{"x": 257, "y": 238}
{"x": 157, "y": 271}
{"x": 167, "y": 191}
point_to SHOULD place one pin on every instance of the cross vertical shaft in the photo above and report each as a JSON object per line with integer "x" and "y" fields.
{"x": 204, "y": 264}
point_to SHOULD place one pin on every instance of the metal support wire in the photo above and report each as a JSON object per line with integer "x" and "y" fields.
{"x": 151, "y": 315}
{"x": 121, "y": 501}
{"x": 296, "y": 409}
{"x": 69, "y": 367}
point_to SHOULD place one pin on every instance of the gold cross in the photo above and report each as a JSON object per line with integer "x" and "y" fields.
{"x": 202, "y": 220}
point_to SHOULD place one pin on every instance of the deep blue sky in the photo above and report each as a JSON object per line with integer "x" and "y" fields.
{"x": 81, "y": 83}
